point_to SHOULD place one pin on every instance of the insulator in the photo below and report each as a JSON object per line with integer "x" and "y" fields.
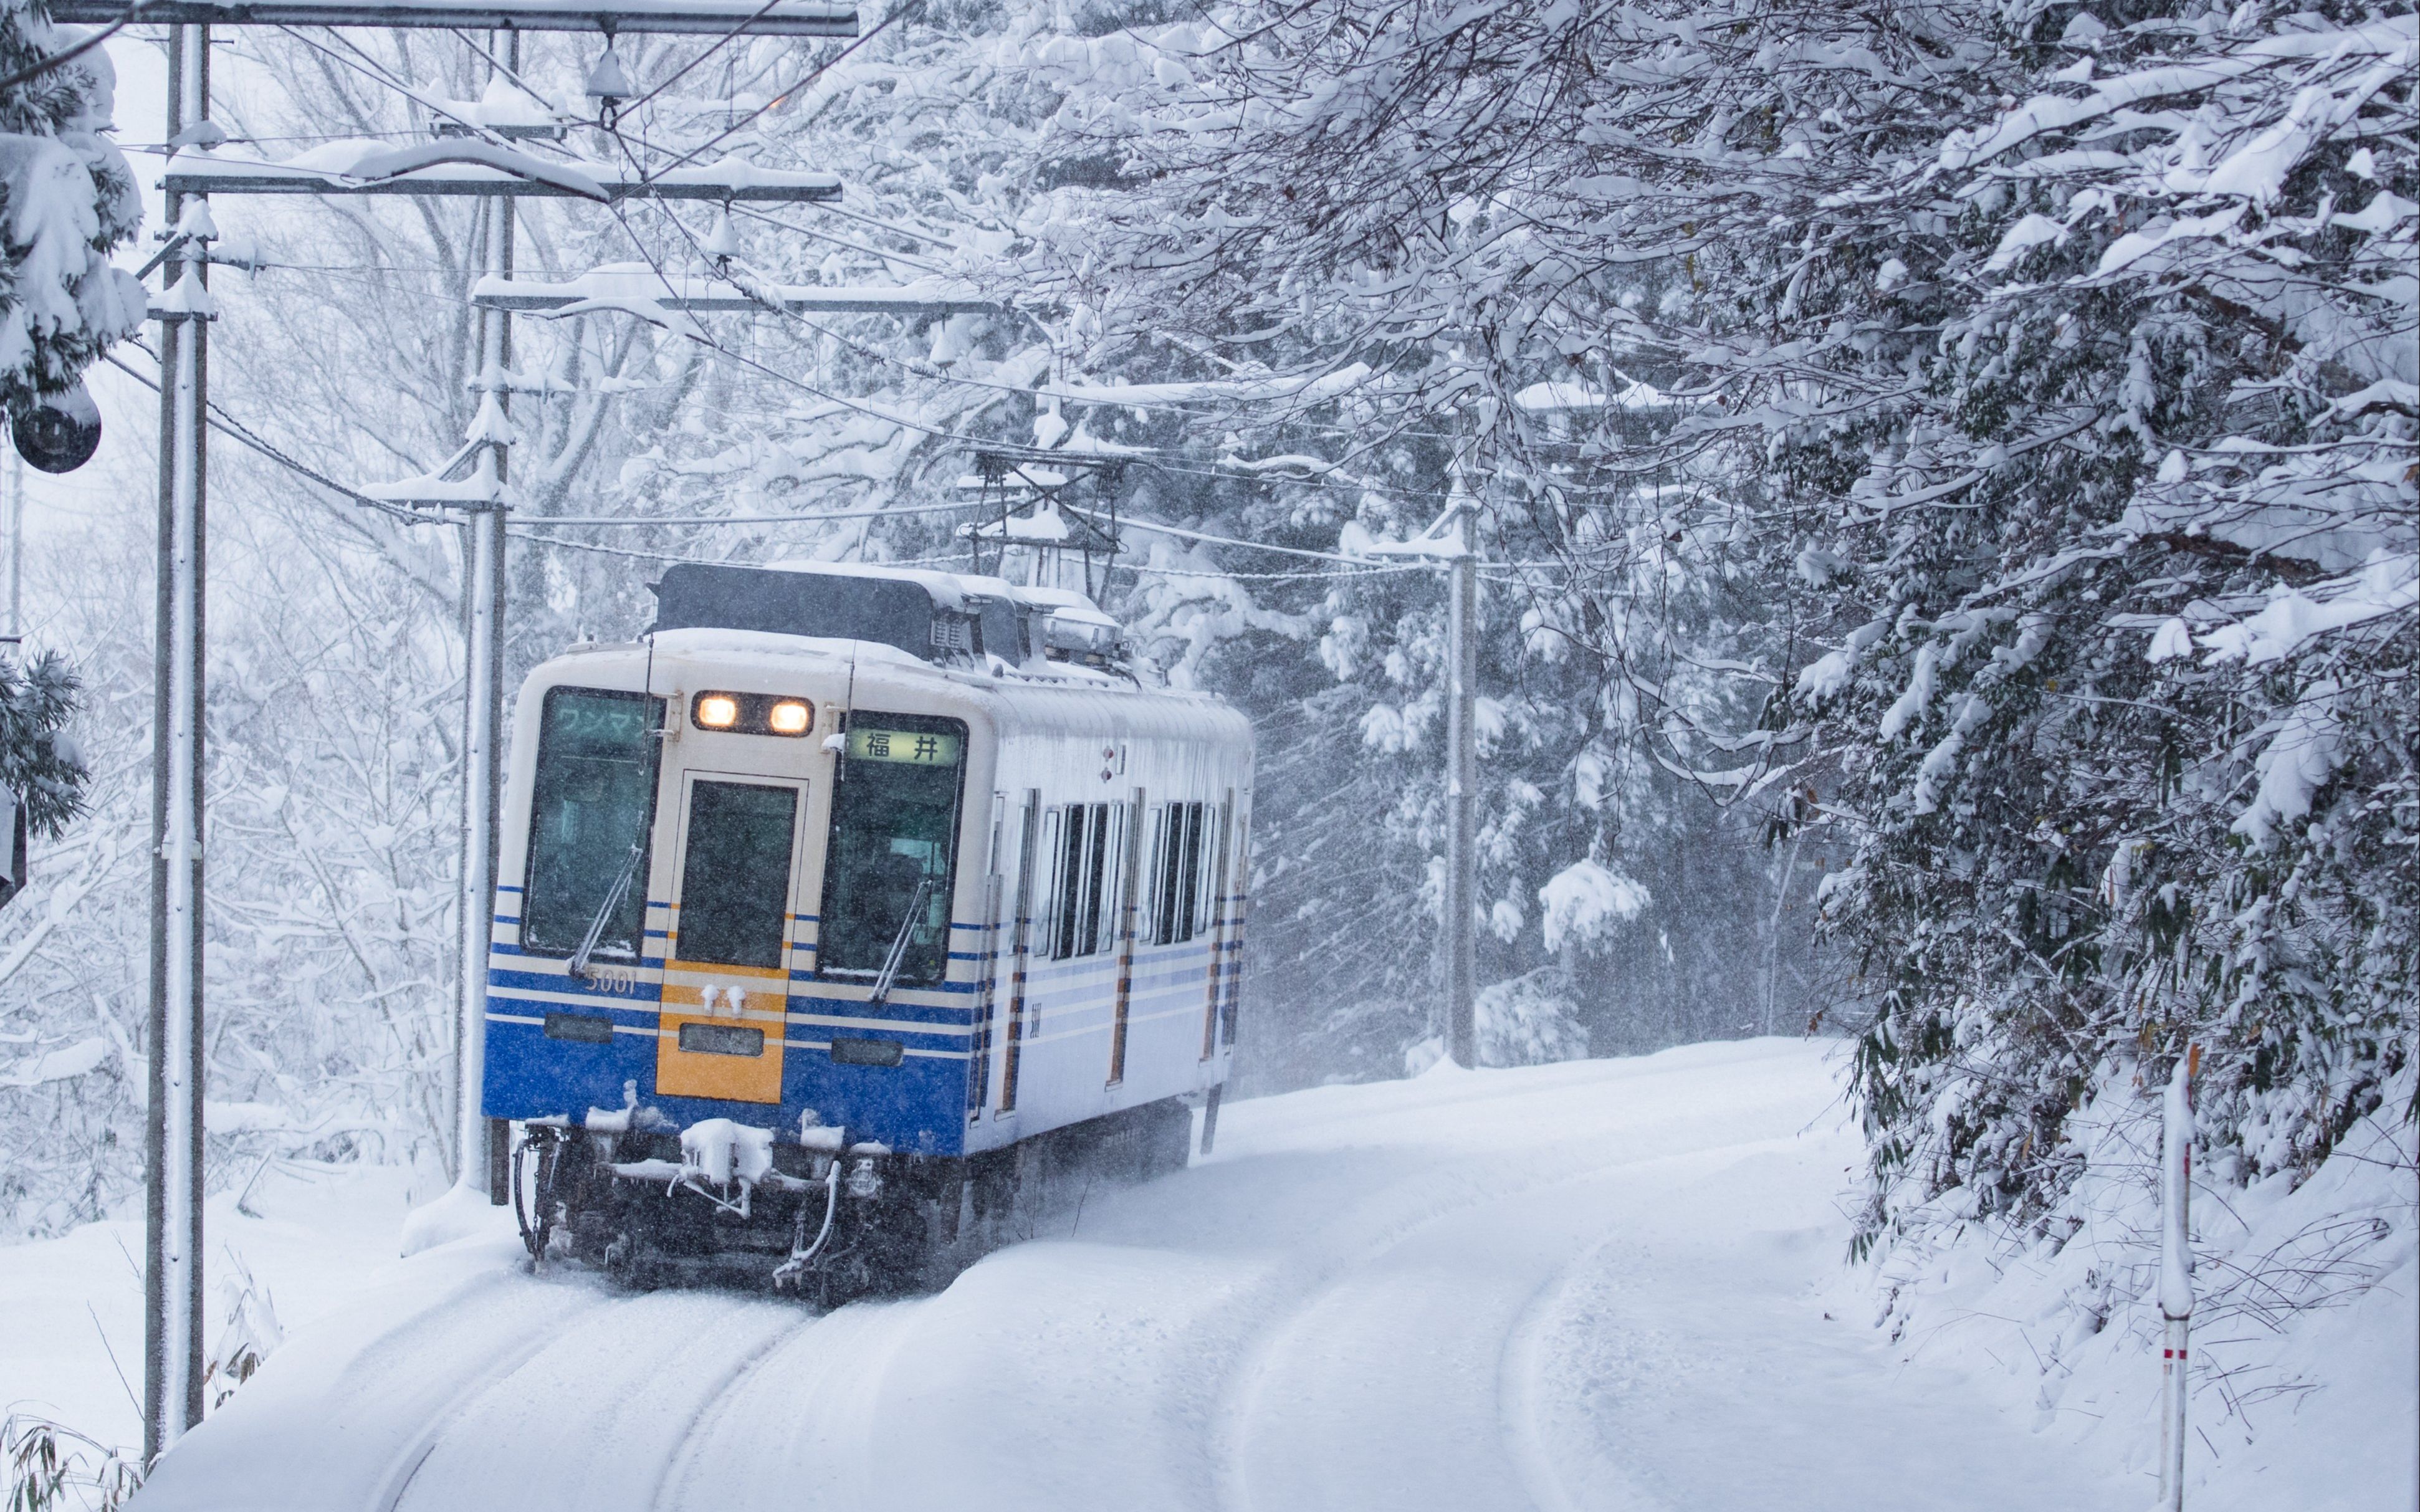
{"x": 608, "y": 84}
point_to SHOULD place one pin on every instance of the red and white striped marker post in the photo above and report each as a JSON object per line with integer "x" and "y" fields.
{"x": 2176, "y": 1274}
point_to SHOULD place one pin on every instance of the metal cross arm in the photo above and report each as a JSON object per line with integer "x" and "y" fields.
{"x": 715, "y": 18}
{"x": 481, "y": 169}
{"x": 618, "y": 284}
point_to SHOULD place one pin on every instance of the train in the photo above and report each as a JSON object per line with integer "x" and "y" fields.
{"x": 852, "y": 919}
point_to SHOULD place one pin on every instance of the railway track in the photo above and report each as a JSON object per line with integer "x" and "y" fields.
{"x": 1582, "y": 1286}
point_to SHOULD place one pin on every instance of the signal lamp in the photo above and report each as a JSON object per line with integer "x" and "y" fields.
{"x": 789, "y": 717}
{"x": 718, "y": 711}
{"x": 57, "y": 433}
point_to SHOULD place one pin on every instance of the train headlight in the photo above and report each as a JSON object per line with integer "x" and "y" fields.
{"x": 717, "y": 710}
{"x": 790, "y": 717}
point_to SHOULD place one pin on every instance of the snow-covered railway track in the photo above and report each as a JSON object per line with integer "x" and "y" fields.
{"x": 593, "y": 1418}
{"x": 1585, "y": 1286}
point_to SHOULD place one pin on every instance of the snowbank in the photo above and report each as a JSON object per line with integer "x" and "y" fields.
{"x": 1612, "y": 1284}
{"x": 2304, "y": 1329}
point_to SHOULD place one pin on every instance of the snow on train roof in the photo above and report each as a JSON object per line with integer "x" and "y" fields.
{"x": 951, "y": 590}
{"x": 985, "y": 624}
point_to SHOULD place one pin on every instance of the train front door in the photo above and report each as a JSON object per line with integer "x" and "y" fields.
{"x": 726, "y": 968}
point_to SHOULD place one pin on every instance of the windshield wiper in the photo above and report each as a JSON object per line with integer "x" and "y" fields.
{"x": 605, "y": 911}
{"x": 898, "y": 956}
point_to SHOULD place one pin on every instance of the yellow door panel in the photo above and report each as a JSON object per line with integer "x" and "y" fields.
{"x": 720, "y": 1034}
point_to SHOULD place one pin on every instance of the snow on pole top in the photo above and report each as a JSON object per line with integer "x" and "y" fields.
{"x": 716, "y": 18}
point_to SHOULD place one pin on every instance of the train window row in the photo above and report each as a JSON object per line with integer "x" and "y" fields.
{"x": 1085, "y": 845}
{"x": 889, "y": 863}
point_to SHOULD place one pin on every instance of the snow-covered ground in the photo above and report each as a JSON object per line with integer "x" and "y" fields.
{"x": 1599, "y": 1284}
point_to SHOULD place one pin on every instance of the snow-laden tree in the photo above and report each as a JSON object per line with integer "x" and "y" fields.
{"x": 2124, "y": 587}
{"x": 67, "y": 198}
{"x": 2033, "y": 470}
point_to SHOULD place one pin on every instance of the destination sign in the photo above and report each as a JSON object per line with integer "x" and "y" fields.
{"x": 915, "y": 748}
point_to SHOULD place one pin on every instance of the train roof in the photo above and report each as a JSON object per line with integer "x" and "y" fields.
{"x": 934, "y": 615}
{"x": 1064, "y": 700}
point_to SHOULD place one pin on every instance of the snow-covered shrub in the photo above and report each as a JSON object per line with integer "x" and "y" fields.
{"x": 53, "y": 1468}
{"x": 1529, "y": 1020}
{"x": 1586, "y": 902}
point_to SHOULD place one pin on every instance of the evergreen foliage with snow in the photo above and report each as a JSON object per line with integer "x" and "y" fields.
{"x": 40, "y": 763}
{"x": 67, "y": 198}
{"x": 2011, "y": 403}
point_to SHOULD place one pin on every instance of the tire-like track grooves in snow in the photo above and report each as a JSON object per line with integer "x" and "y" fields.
{"x": 1586, "y": 1287}
{"x": 1407, "y": 1373}
{"x": 734, "y": 1380}
{"x": 515, "y": 1351}
{"x": 595, "y": 1417}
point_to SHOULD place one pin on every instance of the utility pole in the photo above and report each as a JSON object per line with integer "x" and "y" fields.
{"x": 483, "y": 667}
{"x": 2176, "y": 1273}
{"x": 1460, "y": 780}
{"x": 173, "y": 1178}
{"x": 16, "y": 546}
{"x": 172, "y": 1274}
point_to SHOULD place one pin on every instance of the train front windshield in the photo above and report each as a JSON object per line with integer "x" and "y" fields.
{"x": 895, "y": 830}
{"x": 591, "y": 808}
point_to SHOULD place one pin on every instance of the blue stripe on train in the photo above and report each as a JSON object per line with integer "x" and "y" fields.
{"x": 916, "y": 1105}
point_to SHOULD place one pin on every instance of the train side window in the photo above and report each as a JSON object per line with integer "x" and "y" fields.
{"x": 1046, "y": 877}
{"x": 1206, "y": 893}
{"x": 591, "y": 808}
{"x": 1213, "y": 857}
{"x": 1070, "y": 893}
{"x": 1176, "y": 880}
{"x": 1085, "y": 885}
{"x": 892, "y": 861}
{"x": 1105, "y": 921}
{"x": 1154, "y": 925}
{"x": 1189, "y": 908}
{"x": 1163, "y": 873}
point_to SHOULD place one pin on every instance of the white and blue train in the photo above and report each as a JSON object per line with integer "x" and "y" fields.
{"x": 848, "y": 915}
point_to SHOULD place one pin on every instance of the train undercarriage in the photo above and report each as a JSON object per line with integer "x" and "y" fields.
{"x": 824, "y": 1216}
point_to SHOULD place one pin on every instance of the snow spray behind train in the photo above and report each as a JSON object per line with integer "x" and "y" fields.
{"x": 852, "y": 918}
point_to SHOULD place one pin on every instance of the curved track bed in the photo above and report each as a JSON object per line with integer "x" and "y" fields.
{"x": 1591, "y": 1286}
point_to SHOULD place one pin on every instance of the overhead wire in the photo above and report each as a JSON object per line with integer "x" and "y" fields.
{"x": 235, "y": 430}
{"x": 378, "y": 73}
{"x": 553, "y": 521}
{"x": 680, "y": 73}
{"x": 823, "y": 66}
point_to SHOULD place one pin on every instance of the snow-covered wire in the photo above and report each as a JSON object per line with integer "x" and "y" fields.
{"x": 238, "y": 432}
{"x": 604, "y": 550}
{"x": 1228, "y": 541}
{"x": 553, "y": 521}
{"x": 910, "y": 8}
{"x": 680, "y": 73}
{"x": 1269, "y": 576}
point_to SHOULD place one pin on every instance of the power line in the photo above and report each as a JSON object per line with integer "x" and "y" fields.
{"x": 1219, "y": 541}
{"x": 637, "y": 521}
{"x": 236, "y": 432}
